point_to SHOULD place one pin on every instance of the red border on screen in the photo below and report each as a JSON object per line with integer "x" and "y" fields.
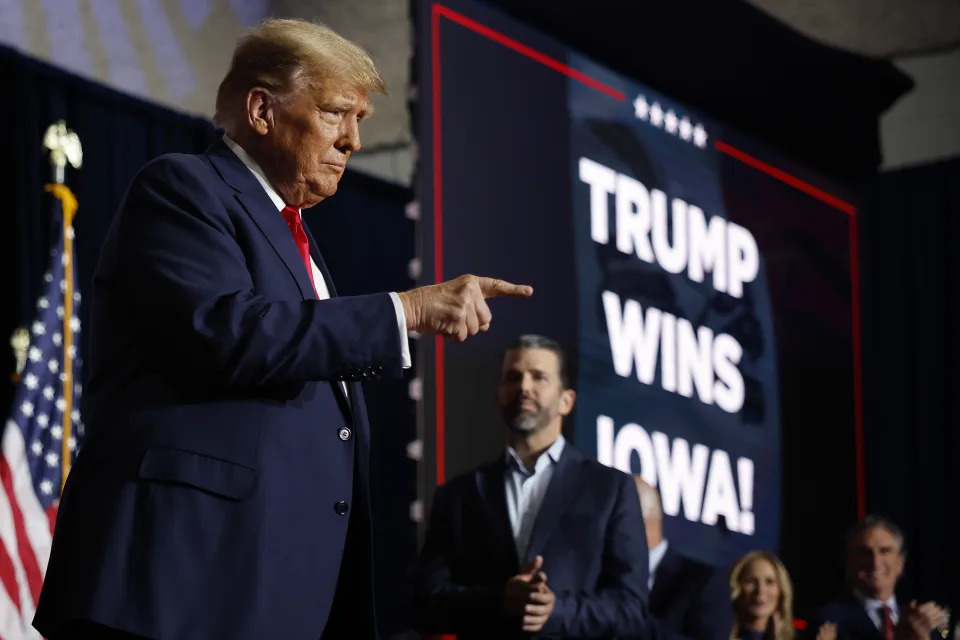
{"x": 438, "y": 11}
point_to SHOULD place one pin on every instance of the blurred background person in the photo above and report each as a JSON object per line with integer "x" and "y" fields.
{"x": 762, "y": 597}
{"x": 688, "y": 599}
{"x": 869, "y": 610}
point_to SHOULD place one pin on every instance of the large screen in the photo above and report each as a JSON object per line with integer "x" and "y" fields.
{"x": 705, "y": 285}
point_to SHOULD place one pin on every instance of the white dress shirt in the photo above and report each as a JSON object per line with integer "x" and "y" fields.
{"x": 323, "y": 292}
{"x": 526, "y": 490}
{"x": 874, "y": 608}
{"x": 656, "y": 556}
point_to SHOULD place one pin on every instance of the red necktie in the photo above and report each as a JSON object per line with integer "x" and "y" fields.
{"x": 887, "y": 623}
{"x": 292, "y": 216}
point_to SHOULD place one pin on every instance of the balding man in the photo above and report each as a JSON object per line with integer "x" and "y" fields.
{"x": 222, "y": 490}
{"x": 689, "y": 600}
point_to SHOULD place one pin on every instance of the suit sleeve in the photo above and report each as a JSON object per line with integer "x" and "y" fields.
{"x": 441, "y": 605}
{"x": 709, "y": 618}
{"x": 618, "y": 607}
{"x": 184, "y": 275}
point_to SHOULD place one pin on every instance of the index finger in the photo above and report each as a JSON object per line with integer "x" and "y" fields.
{"x": 491, "y": 287}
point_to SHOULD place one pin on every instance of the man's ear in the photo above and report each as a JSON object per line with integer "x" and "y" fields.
{"x": 260, "y": 106}
{"x": 567, "y": 398}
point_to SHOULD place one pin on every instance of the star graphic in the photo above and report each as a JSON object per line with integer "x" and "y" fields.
{"x": 39, "y": 329}
{"x": 35, "y": 354}
{"x": 43, "y": 303}
{"x": 686, "y": 129}
{"x": 656, "y": 115}
{"x": 31, "y": 381}
{"x": 46, "y": 486}
{"x": 700, "y": 136}
{"x": 640, "y": 108}
{"x": 670, "y": 122}
{"x": 27, "y": 408}
{"x": 52, "y": 459}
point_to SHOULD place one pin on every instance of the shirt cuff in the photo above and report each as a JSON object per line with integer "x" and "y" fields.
{"x": 402, "y": 328}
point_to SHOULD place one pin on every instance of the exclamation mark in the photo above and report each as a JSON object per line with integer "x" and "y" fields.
{"x": 745, "y": 484}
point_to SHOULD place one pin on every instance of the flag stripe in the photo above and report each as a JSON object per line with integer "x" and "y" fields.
{"x": 38, "y": 525}
{"x": 8, "y": 573}
{"x": 11, "y": 622}
{"x": 19, "y": 590}
{"x": 28, "y": 559}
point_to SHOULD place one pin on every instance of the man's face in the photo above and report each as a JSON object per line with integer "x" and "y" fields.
{"x": 315, "y": 129}
{"x": 531, "y": 395}
{"x": 875, "y": 562}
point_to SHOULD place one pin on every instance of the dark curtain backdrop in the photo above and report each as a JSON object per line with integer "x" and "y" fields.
{"x": 366, "y": 239}
{"x": 910, "y": 236}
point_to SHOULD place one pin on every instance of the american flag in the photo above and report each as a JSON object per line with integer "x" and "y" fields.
{"x": 44, "y": 419}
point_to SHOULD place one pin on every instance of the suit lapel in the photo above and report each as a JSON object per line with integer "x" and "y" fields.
{"x": 348, "y": 407}
{"x": 318, "y": 258}
{"x": 260, "y": 208}
{"x": 863, "y": 620}
{"x": 493, "y": 493}
{"x": 559, "y": 496}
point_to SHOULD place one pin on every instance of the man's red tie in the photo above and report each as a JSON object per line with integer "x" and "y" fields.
{"x": 887, "y": 623}
{"x": 292, "y": 216}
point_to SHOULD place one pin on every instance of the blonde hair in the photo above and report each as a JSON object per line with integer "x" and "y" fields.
{"x": 280, "y": 54}
{"x": 785, "y": 603}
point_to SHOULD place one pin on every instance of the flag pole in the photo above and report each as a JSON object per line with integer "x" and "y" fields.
{"x": 64, "y": 147}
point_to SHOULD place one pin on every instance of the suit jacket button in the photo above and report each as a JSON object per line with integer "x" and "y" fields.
{"x": 341, "y": 508}
{"x": 345, "y": 434}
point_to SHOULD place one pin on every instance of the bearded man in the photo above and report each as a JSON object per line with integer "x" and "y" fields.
{"x": 541, "y": 541}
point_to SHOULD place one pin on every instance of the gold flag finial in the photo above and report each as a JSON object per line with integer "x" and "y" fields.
{"x": 20, "y": 341}
{"x": 64, "y": 146}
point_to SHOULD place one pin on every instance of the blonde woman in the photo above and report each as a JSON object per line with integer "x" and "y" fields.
{"x": 762, "y": 597}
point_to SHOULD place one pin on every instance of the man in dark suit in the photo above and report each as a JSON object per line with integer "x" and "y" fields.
{"x": 542, "y": 540}
{"x": 688, "y": 599}
{"x": 870, "y": 610}
{"x": 222, "y": 491}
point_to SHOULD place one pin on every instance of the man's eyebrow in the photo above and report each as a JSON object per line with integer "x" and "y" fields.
{"x": 343, "y": 104}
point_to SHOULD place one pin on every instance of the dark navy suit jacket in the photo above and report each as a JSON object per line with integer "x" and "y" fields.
{"x": 851, "y": 619}
{"x": 689, "y": 600}
{"x": 223, "y": 464}
{"x": 589, "y": 531}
